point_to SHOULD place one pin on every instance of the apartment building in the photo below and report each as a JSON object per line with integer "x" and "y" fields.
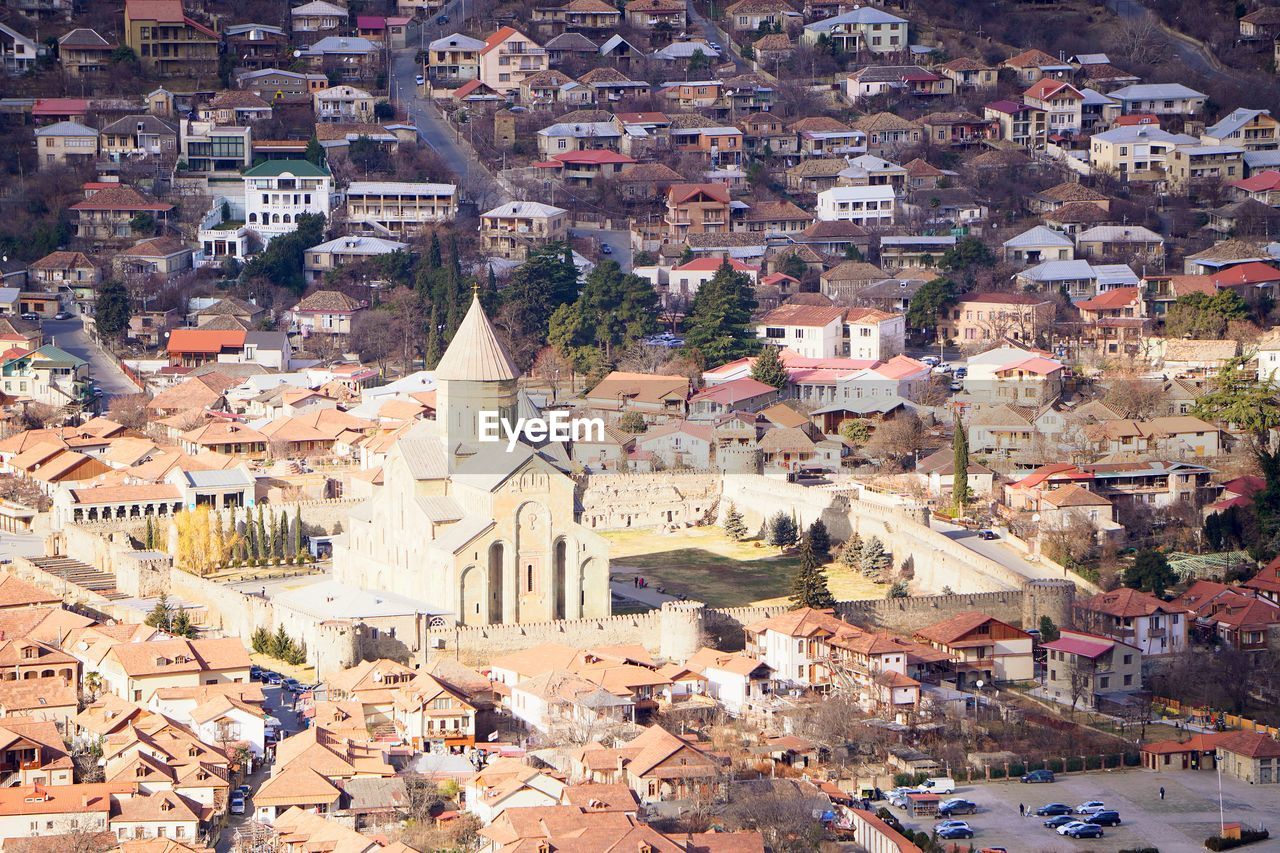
{"x": 1109, "y": 667}
{"x": 399, "y": 207}
{"x": 1021, "y": 317}
{"x": 65, "y": 143}
{"x": 866, "y": 206}
{"x": 166, "y": 41}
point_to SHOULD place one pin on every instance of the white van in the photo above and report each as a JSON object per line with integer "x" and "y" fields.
{"x": 939, "y": 785}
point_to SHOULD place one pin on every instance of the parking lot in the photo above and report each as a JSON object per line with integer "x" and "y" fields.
{"x": 1181, "y": 822}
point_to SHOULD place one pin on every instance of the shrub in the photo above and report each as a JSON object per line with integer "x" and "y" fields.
{"x": 906, "y": 780}
{"x": 1074, "y": 764}
{"x": 1017, "y": 769}
{"x": 1132, "y": 759}
{"x": 1093, "y": 762}
{"x": 1056, "y": 765}
{"x": 998, "y": 772}
{"x": 1112, "y": 760}
{"x": 1247, "y": 836}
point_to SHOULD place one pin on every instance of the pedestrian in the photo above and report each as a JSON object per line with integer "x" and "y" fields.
{"x": 1022, "y": 810}
{"x": 1162, "y": 792}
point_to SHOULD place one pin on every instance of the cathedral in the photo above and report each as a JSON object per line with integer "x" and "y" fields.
{"x": 470, "y": 527}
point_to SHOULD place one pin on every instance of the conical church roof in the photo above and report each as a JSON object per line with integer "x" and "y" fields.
{"x": 475, "y": 354}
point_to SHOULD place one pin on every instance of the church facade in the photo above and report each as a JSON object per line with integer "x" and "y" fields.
{"x": 470, "y": 527}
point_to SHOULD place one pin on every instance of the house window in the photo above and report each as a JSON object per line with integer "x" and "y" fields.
{"x": 1104, "y": 682}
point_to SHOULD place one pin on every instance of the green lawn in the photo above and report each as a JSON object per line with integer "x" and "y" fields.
{"x": 704, "y": 564}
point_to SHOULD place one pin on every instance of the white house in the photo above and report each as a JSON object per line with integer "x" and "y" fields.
{"x": 685, "y": 280}
{"x": 1162, "y": 99}
{"x": 217, "y": 716}
{"x": 874, "y": 334}
{"x": 277, "y": 192}
{"x": 813, "y": 331}
{"x": 869, "y": 205}
{"x": 733, "y": 679}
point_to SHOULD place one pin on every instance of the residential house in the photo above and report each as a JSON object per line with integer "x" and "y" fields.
{"x": 1263, "y": 23}
{"x": 326, "y": 312}
{"x": 322, "y": 259}
{"x": 823, "y": 136}
{"x": 697, "y": 209}
{"x": 678, "y": 444}
{"x": 1121, "y": 242}
{"x": 287, "y": 87}
{"x": 847, "y": 279}
{"x": 865, "y": 206}
{"x": 657, "y": 765}
{"x": 958, "y": 129}
{"x": 645, "y": 15}
{"x": 1061, "y": 103}
{"x": 159, "y": 256}
{"x": 354, "y": 59}
{"x": 317, "y": 19}
{"x": 1252, "y": 130}
{"x": 166, "y": 41}
{"x": 454, "y": 58}
{"x": 1159, "y": 484}
{"x": 1090, "y": 669}
{"x": 1161, "y": 99}
{"x": 654, "y": 396}
{"x": 993, "y": 316}
{"x": 1016, "y": 122}
{"x": 71, "y": 270}
{"x": 512, "y": 229}
{"x": 886, "y": 133}
{"x": 1194, "y": 167}
{"x": 139, "y": 136}
{"x": 343, "y": 103}
{"x": 734, "y": 680}
{"x": 277, "y": 192}
{"x": 579, "y": 16}
{"x": 981, "y": 648}
{"x": 83, "y": 51}
{"x": 1138, "y": 618}
{"x": 936, "y": 472}
{"x": 65, "y": 143}
{"x": 17, "y": 51}
{"x": 1114, "y": 322}
{"x": 864, "y": 29}
{"x": 899, "y": 252}
{"x": 47, "y": 375}
{"x": 684, "y": 281}
{"x": 399, "y": 208}
{"x": 111, "y": 214}
{"x": 135, "y": 671}
{"x": 1032, "y": 65}
{"x": 1037, "y": 245}
{"x": 1011, "y": 374}
{"x": 508, "y": 57}
{"x": 1235, "y": 616}
{"x": 968, "y": 74}
{"x": 256, "y": 46}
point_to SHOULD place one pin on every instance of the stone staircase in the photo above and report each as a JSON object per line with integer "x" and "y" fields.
{"x": 80, "y": 574}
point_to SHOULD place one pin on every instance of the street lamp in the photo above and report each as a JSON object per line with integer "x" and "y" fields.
{"x": 978, "y": 699}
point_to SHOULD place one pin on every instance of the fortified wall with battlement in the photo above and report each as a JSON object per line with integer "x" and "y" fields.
{"x": 681, "y": 627}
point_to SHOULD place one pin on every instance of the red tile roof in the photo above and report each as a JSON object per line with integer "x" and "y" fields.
{"x": 598, "y": 156}
{"x": 60, "y": 107}
{"x": 1115, "y": 298}
{"x": 1254, "y": 272}
{"x": 120, "y": 197}
{"x": 1268, "y": 180}
{"x": 204, "y": 340}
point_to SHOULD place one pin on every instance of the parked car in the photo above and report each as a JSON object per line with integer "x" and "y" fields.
{"x": 948, "y": 824}
{"x": 955, "y": 832}
{"x": 931, "y": 360}
{"x": 606, "y": 249}
{"x": 243, "y": 791}
{"x": 419, "y": 80}
{"x": 961, "y": 372}
{"x": 62, "y": 315}
{"x": 955, "y": 807}
{"x": 291, "y": 684}
{"x": 1038, "y": 776}
{"x": 29, "y": 315}
{"x": 237, "y": 804}
{"x": 1051, "y": 809}
{"x": 1091, "y": 807}
{"x": 991, "y": 534}
{"x": 939, "y": 785}
{"x": 1067, "y": 827}
{"x": 273, "y": 677}
{"x": 1084, "y": 830}
{"x": 1060, "y": 820}
{"x": 1106, "y": 818}
{"x": 442, "y": 20}
{"x": 956, "y": 385}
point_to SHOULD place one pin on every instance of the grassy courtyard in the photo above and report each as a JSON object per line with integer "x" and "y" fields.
{"x": 705, "y": 564}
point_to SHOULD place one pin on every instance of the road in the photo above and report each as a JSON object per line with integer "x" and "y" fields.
{"x": 1189, "y": 55}
{"x": 279, "y": 704}
{"x": 432, "y": 129}
{"x": 996, "y": 550}
{"x": 618, "y": 241}
{"x": 708, "y": 29}
{"x": 71, "y": 336}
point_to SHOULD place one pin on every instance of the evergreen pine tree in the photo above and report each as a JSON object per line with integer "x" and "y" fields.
{"x": 768, "y": 368}
{"x": 280, "y": 644}
{"x": 809, "y": 584}
{"x": 960, "y": 494}
{"x": 821, "y": 540}
{"x": 782, "y": 530}
{"x": 161, "y": 616}
{"x": 260, "y": 640}
{"x": 433, "y": 350}
{"x": 181, "y": 625}
{"x": 851, "y": 553}
{"x": 734, "y": 527}
{"x": 875, "y": 559}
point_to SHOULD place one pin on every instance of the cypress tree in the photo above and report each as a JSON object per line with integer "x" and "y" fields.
{"x": 435, "y": 259}
{"x": 433, "y": 353}
{"x": 282, "y": 549}
{"x": 263, "y": 545}
{"x": 960, "y": 493}
{"x": 151, "y": 535}
{"x": 297, "y": 533}
{"x": 809, "y": 584}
